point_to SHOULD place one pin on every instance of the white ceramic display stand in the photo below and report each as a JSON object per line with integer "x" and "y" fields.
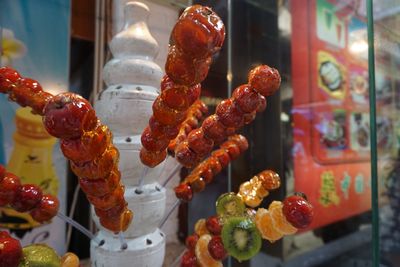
{"x": 132, "y": 79}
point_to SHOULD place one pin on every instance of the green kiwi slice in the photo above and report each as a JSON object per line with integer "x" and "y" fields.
{"x": 229, "y": 204}
{"x": 241, "y": 238}
{"x": 39, "y": 255}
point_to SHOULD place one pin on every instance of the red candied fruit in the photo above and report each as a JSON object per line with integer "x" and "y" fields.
{"x": 229, "y": 114}
{"x": 9, "y": 187}
{"x": 199, "y": 143}
{"x": 216, "y": 248}
{"x": 246, "y": 98}
{"x": 199, "y": 31}
{"x": 197, "y": 184}
{"x": 192, "y": 122}
{"x": 214, "y": 165}
{"x": 263, "y": 104}
{"x": 185, "y": 155}
{"x": 152, "y": 159}
{"x": 298, "y": 211}
{"x": 189, "y": 259}
{"x": 191, "y": 241}
{"x": 100, "y": 167}
{"x": 241, "y": 141}
{"x": 27, "y": 198}
{"x": 8, "y": 78}
{"x": 166, "y": 115}
{"x": 265, "y": 80}
{"x": 10, "y": 250}
{"x": 109, "y": 200}
{"x": 177, "y": 96}
{"x": 46, "y": 209}
{"x": 206, "y": 173}
{"x": 102, "y": 186}
{"x": 68, "y": 115}
{"x": 153, "y": 143}
{"x": 184, "y": 192}
{"x": 185, "y": 70}
{"x": 222, "y": 156}
{"x": 213, "y": 225}
{"x": 214, "y": 129}
{"x": 2, "y": 172}
{"x": 159, "y": 129}
{"x": 24, "y": 91}
{"x": 88, "y": 146}
{"x": 270, "y": 180}
{"x": 232, "y": 149}
{"x": 249, "y": 117}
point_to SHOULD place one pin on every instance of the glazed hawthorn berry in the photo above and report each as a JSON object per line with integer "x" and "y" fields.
{"x": 213, "y": 225}
{"x": 222, "y": 157}
{"x": 206, "y": 173}
{"x": 216, "y": 248}
{"x": 8, "y": 78}
{"x": 214, "y": 129}
{"x": 192, "y": 122}
{"x": 46, "y": 209}
{"x": 246, "y": 98}
{"x": 184, "y": 192}
{"x": 166, "y": 115}
{"x": 9, "y": 187}
{"x": 159, "y": 129}
{"x": 270, "y": 180}
{"x": 185, "y": 155}
{"x": 197, "y": 184}
{"x": 10, "y": 251}
{"x": 152, "y": 159}
{"x": 153, "y": 143}
{"x": 241, "y": 141}
{"x": 249, "y": 117}
{"x": 265, "y": 80}
{"x": 229, "y": 114}
{"x": 232, "y": 149}
{"x": 185, "y": 70}
{"x": 109, "y": 200}
{"x": 179, "y": 97}
{"x": 88, "y": 146}
{"x": 199, "y": 143}
{"x": 24, "y": 90}
{"x": 189, "y": 259}
{"x": 263, "y": 104}
{"x": 27, "y": 198}
{"x": 199, "y": 31}
{"x": 102, "y": 186}
{"x": 98, "y": 168}
{"x": 191, "y": 241}
{"x": 298, "y": 211}
{"x": 68, "y": 115}
{"x": 214, "y": 165}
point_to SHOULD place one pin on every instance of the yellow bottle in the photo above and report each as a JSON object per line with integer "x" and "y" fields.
{"x": 31, "y": 160}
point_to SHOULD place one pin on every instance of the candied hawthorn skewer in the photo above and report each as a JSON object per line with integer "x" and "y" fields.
{"x": 84, "y": 141}
{"x": 198, "y": 34}
{"x": 231, "y": 114}
{"x": 26, "y": 197}
{"x": 205, "y": 171}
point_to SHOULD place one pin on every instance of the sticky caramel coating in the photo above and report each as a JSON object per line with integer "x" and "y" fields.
{"x": 265, "y": 80}
{"x": 199, "y": 31}
{"x": 185, "y": 155}
{"x": 159, "y": 129}
{"x": 178, "y": 97}
{"x": 199, "y": 143}
{"x": 152, "y": 159}
{"x": 153, "y": 143}
{"x": 165, "y": 115}
{"x": 183, "y": 69}
{"x": 247, "y": 99}
{"x": 270, "y": 179}
{"x": 102, "y": 186}
{"x": 229, "y": 114}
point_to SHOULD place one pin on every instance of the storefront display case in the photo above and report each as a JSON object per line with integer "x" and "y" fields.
{"x": 330, "y": 131}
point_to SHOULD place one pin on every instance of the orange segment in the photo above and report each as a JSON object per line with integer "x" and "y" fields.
{"x": 279, "y": 220}
{"x": 265, "y": 225}
{"x": 200, "y": 227}
{"x": 204, "y": 259}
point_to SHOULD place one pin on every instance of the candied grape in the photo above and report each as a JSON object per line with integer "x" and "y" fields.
{"x": 229, "y": 114}
{"x": 199, "y": 143}
{"x": 265, "y": 80}
{"x": 46, "y": 209}
{"x": 166, "y": 115}
{"x": 152, "y": 159}
{"x": 246, "y": 98}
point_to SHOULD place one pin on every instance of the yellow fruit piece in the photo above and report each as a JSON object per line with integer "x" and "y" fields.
{"x": 204, "y": 259}
{"x": 279, "y": 219}
{"x": 200, "y": 227}
{"x": 69, "y": 260}
{"x": 258, "y": 186}
{"x": 248, "y": 193}
{"x": 269, "y": 179}
{"x": 265, "y": 225}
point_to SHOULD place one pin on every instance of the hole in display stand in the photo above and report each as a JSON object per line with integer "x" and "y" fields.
{"x": 161, "y": 234}
{"x": 124, "y": 246}
{"x": 158, "y": 189}
{"x": 148, "y": 242}
{"x": 139, "y": 88}
{"x": 128, "y": 140}
{"x": 118, "y": 87}
{"x": 102, "y": 242}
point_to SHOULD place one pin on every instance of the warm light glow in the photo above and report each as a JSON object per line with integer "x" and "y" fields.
{"x": 53, "y": 87}
{"x": 359, "y": 46}
{"x": 229, "y": 76}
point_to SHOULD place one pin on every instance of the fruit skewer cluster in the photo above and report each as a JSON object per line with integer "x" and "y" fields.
{"x": 198, "y": 34}
{"x": 205, "y": 171}
{"x": 85, "y": 141}
{"x": 26, "y": 197}
{"x": 238, "y": 231}
{"x": 231, "y": 114}
{"x": 13, "y": 255}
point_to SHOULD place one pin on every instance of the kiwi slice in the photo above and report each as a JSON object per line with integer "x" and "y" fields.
{"x": 229, "y": 204}
{"x": 241, "y": 238}
{"x": 39, "y": 255}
